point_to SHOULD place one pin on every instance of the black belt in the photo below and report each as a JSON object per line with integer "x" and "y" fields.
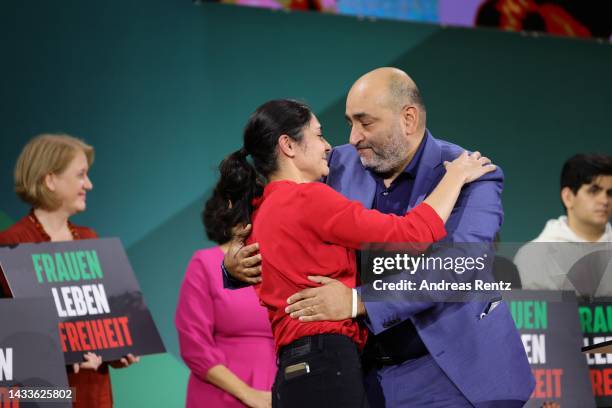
{"x": 308, "y": 344}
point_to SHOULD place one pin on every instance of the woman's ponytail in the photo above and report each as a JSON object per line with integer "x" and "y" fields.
{"x": 244, "y": 173}
{"x": 231, "y": 203}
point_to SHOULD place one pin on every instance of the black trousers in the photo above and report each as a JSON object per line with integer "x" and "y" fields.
{"x": 318, "y": 372}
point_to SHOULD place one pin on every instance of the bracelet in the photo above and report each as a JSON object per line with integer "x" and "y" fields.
{"x": 354, "y": 307}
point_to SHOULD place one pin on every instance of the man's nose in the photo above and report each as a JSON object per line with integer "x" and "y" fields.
{"x": 355, "y": 136}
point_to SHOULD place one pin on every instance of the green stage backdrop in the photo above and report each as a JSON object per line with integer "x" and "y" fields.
{"x": 162, "y": 89}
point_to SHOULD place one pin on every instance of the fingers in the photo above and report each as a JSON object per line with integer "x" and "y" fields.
{"x": 321, "y": 279}
{"x": 132, "y": 359}
{"x": 125, "y": 361}
{"x": 251, "y": 261}
{"x": 301, "y": 308}
{"x": 248, "y": 250}
{"x": 303, "y": 311}
{"x": 92, "y": 361}
{"x": 254, "y": 272}
{"x": 304, "y": 294}
{"x": 489, "y": 168}
{"x": 307, "y": 311}
{"x": 91, "y": 357}
{"x": 471, "y": 166}
{"x": 484, "y": 160}
{"x": 76, "y": 368}
{"x": 252, "y": 281}
{"x": 314, "y": 318}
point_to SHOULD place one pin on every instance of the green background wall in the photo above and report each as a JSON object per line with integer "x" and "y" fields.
{"x": 162, "y": 89}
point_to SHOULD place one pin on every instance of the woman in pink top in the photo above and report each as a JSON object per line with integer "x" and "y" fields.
{"x": 224, "y": 335}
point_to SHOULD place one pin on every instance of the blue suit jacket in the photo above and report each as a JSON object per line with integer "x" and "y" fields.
{"x": 483, "y": 357}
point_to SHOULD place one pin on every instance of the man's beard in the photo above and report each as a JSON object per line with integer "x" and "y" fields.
{"x": 386, "y": 158}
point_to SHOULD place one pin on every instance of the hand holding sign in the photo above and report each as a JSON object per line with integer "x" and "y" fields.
{"x": 125, "y": 361}
{"x": 96, "y": 297}
{"x": 92, "y": 362}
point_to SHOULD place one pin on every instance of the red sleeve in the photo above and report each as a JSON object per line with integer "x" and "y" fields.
{"x": 348, "y": 223}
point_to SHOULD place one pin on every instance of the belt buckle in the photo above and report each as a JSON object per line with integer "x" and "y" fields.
{"x": 384, "y": 360}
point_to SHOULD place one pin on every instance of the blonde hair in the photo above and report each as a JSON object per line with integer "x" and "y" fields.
{"x": 46, "y": 154}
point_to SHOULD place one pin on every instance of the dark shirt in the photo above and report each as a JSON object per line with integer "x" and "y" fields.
{"x": 395, "y": 200}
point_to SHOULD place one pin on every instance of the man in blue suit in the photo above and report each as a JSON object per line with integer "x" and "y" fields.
{"x": 421, "y": 354}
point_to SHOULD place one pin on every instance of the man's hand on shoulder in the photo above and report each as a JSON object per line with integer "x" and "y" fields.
{"x": 243, "y": 262}
{"x": 330, "y": 301}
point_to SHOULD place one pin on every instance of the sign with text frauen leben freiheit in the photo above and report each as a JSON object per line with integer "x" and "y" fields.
{"x": 549, "y": 327}
{"x": 94, "y": 291}
{"x": 30, "y": 354}
{"x": 596, "y": 324}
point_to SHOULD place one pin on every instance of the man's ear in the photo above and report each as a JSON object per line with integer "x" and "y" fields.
{"x": 411, "y": 118}
{"x": 287, "y": 145}
{"x": 567, "y": 197}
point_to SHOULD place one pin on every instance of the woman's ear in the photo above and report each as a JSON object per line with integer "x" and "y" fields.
{"x": 287, "y": 145}
{"x": 50, "y": 181}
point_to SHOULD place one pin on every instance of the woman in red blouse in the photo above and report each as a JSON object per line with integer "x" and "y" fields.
{"x": 51, "y": 176}
{"x": 303, "y": 228}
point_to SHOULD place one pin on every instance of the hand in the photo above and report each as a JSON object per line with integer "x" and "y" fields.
{"x": 331, "y": 301}
{"x": 470, "y": 166}
{"x": 257, "y": 399}
{"x": 551, "y": 405}
{"x": 125, "y": 361}
{"x": 92, "y": 362}
{"x": 243, "y": 262}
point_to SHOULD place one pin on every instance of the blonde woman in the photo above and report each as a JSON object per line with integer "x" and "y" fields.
{"x": 51, "y": 175}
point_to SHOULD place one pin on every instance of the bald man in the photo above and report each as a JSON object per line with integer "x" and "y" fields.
{"x": 420, "y": 354}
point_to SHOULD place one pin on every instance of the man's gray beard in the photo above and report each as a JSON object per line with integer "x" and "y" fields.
{"x": 389, "y": 160}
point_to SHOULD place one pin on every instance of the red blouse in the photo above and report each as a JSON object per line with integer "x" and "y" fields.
{"x": 310, "y": 229}
{"x": 93, "y": 388}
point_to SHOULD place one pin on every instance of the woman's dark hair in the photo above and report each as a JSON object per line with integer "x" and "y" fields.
{"x": 242, "y": 179}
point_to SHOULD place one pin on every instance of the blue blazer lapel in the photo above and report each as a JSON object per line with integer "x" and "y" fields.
{"x": 348, "y": 176}
{"x": 363, "y": 188}
{"x": 429, "y": 171}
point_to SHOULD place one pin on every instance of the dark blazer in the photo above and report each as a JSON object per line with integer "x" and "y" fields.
{"x": 484, "y": 357}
